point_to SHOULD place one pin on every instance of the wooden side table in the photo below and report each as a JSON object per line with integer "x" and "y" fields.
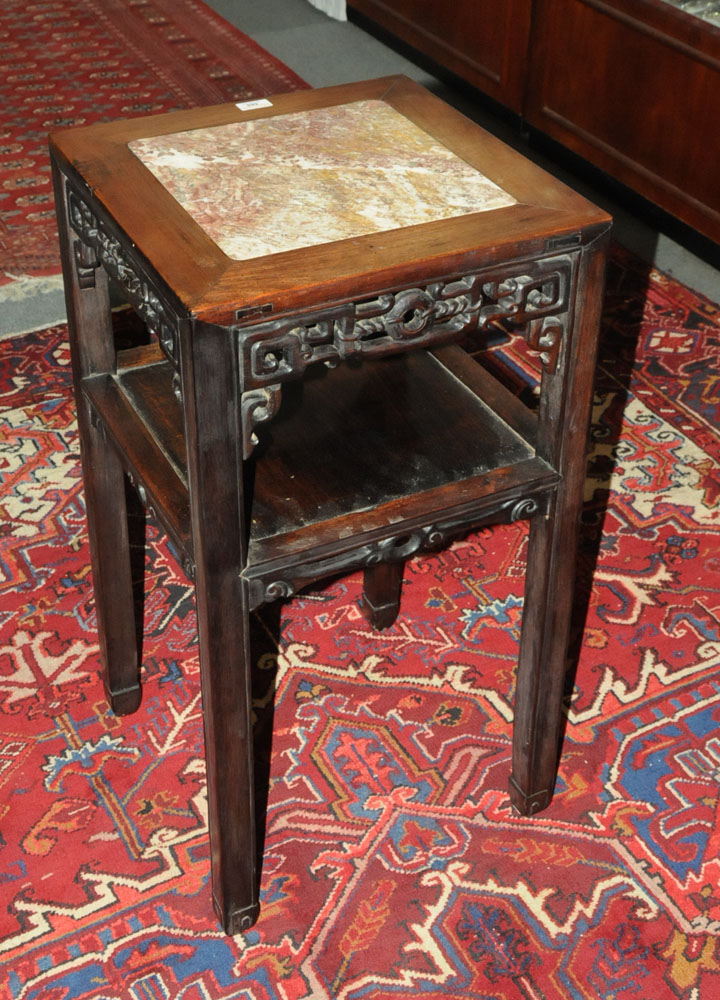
{"x": 306, "y": 266}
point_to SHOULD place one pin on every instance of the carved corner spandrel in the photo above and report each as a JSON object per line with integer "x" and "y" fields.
{"x": 536, "y": 303}
{"x": 257, "y": 407}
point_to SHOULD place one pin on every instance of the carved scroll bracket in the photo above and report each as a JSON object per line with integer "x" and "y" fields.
{"x": 545, "y": 337}
{"x": 257, "y": 406}
{"x": 86, "y": 263}
{"x": 146, "y": 500}
{"x": 141, "y": 491}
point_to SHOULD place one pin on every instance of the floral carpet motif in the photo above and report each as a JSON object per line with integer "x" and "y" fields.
{"x": 76, "y": 62}
{"x": 393, "y": 865}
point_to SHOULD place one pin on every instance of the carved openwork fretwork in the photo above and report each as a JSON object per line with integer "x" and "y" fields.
{"x": 394, "y": 549}
{"x": 537, "y": 300}
{"x": 413, "y": 314}
{"x": 98, "y": 246}
{"x": 534, "y": 299}
{"x": 536, "y": 303}
{"x": 86, "y": 263}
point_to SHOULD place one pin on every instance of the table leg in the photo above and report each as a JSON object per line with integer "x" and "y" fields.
{"x": 542, "y": 662}
{"x": 211, "y": 397}
{"x": 381, "y": 593}
{"x": 225, "y": 661}
{"x": 552, "y": 550}
{"x": 110, "y": 548}
{"x": 93, "y": 352}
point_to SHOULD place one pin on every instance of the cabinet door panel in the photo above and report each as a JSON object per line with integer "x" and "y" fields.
{"x": 483, "y": 42}
{"x": 634, "y": 87}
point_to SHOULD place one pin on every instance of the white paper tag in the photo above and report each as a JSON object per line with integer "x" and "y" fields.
{"x": 252, "y": 105}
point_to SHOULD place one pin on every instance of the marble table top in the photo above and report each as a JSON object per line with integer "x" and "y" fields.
{"x": 297, "y": 180}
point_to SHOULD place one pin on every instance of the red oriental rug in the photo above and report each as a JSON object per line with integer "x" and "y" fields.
{"x": 74, "y": 62}
{"x": 393, "y": 865}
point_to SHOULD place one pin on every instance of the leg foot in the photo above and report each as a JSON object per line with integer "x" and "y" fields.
{"x": 240, "y": 920}
{"x": 528, "y": 805}
{"x": 124, "y": 702}
{"x": 380, "y": 602}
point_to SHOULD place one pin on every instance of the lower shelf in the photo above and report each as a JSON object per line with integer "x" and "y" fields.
{"x": 356, "y": 456}
{"x": 365, "y": 440}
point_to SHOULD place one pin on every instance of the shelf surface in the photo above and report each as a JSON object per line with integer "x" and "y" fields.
{"x": 149, "y": 389}
{"x": 357, "y": 438}
{"x": 143, "y": 418}
{"x": 356, "y": 449}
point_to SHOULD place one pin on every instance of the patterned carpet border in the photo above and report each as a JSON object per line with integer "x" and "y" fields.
{"x": 393, "y": 865}
{"x": 75, "y": 62}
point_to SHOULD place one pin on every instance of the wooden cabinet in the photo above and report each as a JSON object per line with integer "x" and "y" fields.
{"x": 635, "y": 89}
{"x": 483, "y": 43}
{"x": 633, "y": 86}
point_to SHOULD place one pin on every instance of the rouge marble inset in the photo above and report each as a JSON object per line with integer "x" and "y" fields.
{"x": 298, "y": 180}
